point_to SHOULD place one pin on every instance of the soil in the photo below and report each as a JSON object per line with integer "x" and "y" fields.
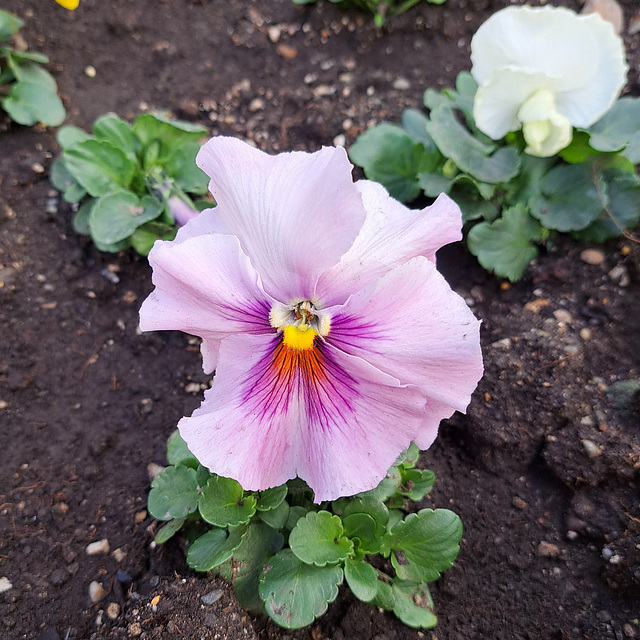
{"x": 543, "y": 469}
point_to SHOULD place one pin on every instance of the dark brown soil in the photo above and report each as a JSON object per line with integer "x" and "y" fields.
{"x": 543, "y": 470}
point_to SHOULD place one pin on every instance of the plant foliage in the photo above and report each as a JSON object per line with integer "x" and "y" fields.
{"x": 287, "y": 556}
{"x": 121, "y": 177}
{"x": 512, "y": 203}
{"x": 28, "y": 92}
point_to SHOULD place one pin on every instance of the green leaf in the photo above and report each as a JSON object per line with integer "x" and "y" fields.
{"x": 165, "y": 134}
{"x": 115, "y": 216}
{"x": 295, "y": 593}
{"x": 416, "y": 483}
{"x": 80, "y": 221}
{"x": 61, "y": 179}
{"x": 384, "y": 598}
{"x": 33, "y": 74}
{"x": 410, "y": 457}
{"x": 526, "y": 185}
{"x": 243, "y": 569}
{"x": 506, "y": 245}
{"x": 169, "y": 530}
{"x": 29, "y": 103}
{"x": 276, "y": 518}
{"x": 623, "y": 205}
{"x": 372, "y": 507}
{"x": 113, "y": 247}
{"x": 204, "y": 551}
{"x": 413, "y": 605}
{"x": 295, "y": 513}
{"x": 144, "y": 237}
{"x": 181, "y": 166}
{"x": 569, "y": 200}
{"x": 271, "y": 498}
{"x": 414, "y": 122}
{"x": 178, "y": 452}
{"x": 429, "y": 539}
{"x": 389, "y": 156}
{"x": 223, "y": 503}
{"x": 319, "y": 539}
{"x": 99, "y": 166}
{"x": 473, "y": 208}
{"x": 119, "y": 133}
{"x": 362, "y": 526}
{"x": 470, "y": 154}
{"x": 387, "y": 487}
{"x": 28, "y": 56}
{"x": 9, "y": 25}
{"x": 174, "y": 493}
{"x": 69, "y": 135}
{"x": 362, "y": 579}
{"x": 618, "y": 128}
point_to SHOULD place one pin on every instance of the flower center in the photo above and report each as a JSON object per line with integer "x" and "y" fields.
{"x": 300, "y": 323}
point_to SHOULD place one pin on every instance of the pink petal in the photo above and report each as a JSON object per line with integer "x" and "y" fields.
{"x": 412, "y": 326}
{"x": 295, "y": 214}
{"x": 334, "y": 420}
{"x": 207, "y": 287}
{"x": 391, "y": 235}
{"x": 206, "y": 222}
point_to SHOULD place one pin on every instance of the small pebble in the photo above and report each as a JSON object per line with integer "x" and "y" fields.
{"x": 548, "y": 550}
{"x": 113, "y": 610}
{"x": 592, "y": 256}
{"x": 58, "y": 577}
{"x": 135, "y": 629}
{"x": 100, "y": 546}
{"x": 401, "y": 84}
{"x": 140, "y": 516}
{"x": 118, "y": 555}
{"x": 192, "y": 387}
{"x": 572, "y": 535}
{"x": 628, "y": 630}
{"x": 591, "y": 448}
{"x": 340, "y": 140}
{"x": 211, "y": 597}
{"x": 561, "y": 315}
{"x": 519, "y": 503}
{"x": 90, "y": 71}
{"x": 96, "y": 592}
{"x": 5, "y": 584}
{"x": 609, "y": 10}
{"x": 585, "y": 333}
{"x": 257, "y": 104}
{"x": 154, "y": 470}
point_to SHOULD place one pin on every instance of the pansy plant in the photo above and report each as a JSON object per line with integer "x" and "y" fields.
{"x": 336, "y": 345}
{"x": 528, "y": 143}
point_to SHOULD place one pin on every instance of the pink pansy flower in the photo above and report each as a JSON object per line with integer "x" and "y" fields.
{"x": 335, "y": 341}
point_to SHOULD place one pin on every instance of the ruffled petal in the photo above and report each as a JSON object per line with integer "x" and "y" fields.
{"x": 586, "y": 104}
{"x": 498, "y": 99}
{"x": 207, "y": 287}
{"x": 206, "y": 222}
{"x": 327, "y": 417}
{"x": 285, "y": 210}
{"x": 412, "y": 326}
{"x": 391, "y": 235}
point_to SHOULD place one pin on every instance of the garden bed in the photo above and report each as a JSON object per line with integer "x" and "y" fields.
{"x": 543, "y": 470}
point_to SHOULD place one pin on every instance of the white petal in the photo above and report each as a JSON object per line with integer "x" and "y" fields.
{"x": 295, "y": 214}
{"x": 391, "y": 235}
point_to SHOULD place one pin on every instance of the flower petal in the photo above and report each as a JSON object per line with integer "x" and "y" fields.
{"x": 330, "y": 418}
{"x": 412, "y": 326}
{"x": 391, "y": 235}
{"x": 285, "y": 210}
{"x": 207, "y": 287}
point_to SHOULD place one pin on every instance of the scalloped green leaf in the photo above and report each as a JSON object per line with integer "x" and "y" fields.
{"x": 203, "y": 552}
{"x": 413, "y": 605}
{"x": 295, "y": 593}
{"x": 507, "y": 245}
{"x": 363, "y": 527}
{"x": 178, "y": 452}
{"x": 387, "y": 487}
{"x": 362, "y": 579}
{"x": 118, "y": 132}
{"x": 62, "y": 180}
{"x": 32, "y": 73}
{"x": 222, "y": 503}
{"x": 429, "y": 539}
{"x": 416, "y": 483}
{"x": 69, "y": 134}
{"x": 271, "y": 498}
{"x": 276, "y": 518}
{"x": 174, "y": 493}
{"x": 169, "y": 530}
{"x": 115, "y": 216}
{"x": 372, "y": 507}
{"x": 618, "y": 128}
{"x": 569, "y": 200}
{"x": 181, "y": 166}
{"x": 99, "y": 166}
{"x": 29, "y": 103}
{"x": 384, "y": 598}
{"x": 319, "y": 539}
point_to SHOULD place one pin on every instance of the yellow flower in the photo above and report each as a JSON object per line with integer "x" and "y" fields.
{"x": 68, "y": 4}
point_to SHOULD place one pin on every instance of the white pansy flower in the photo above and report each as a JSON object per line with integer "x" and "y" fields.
{"x": 545, "y": 70}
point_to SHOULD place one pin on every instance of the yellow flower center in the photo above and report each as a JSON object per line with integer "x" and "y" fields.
{"x": 299, "y": 337}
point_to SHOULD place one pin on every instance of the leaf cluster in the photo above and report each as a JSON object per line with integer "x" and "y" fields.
{"x": 512, "y": 203}
{"x": 122, "y": 175}
{"x": 29, "y": 94}
{"x": 379, "y": 8}
{"x": 287, "y": 556}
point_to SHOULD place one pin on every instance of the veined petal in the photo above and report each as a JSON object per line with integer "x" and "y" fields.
{"x": 391, "y": 235}
{"x": 206, "y": 222}
{"x": 285, "y": 210}
{"x": 328, "y": 417}
{"x": 412, "y": 326}
{"x": 207, "y": 287}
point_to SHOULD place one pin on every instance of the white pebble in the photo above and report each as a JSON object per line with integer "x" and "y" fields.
{"x": 100, "y": 546}
{"x": 5, "y": 584}
{"x": 96, "y": 592}
{"x": 90, "y": 71}
{"x": 591, "y": 448}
